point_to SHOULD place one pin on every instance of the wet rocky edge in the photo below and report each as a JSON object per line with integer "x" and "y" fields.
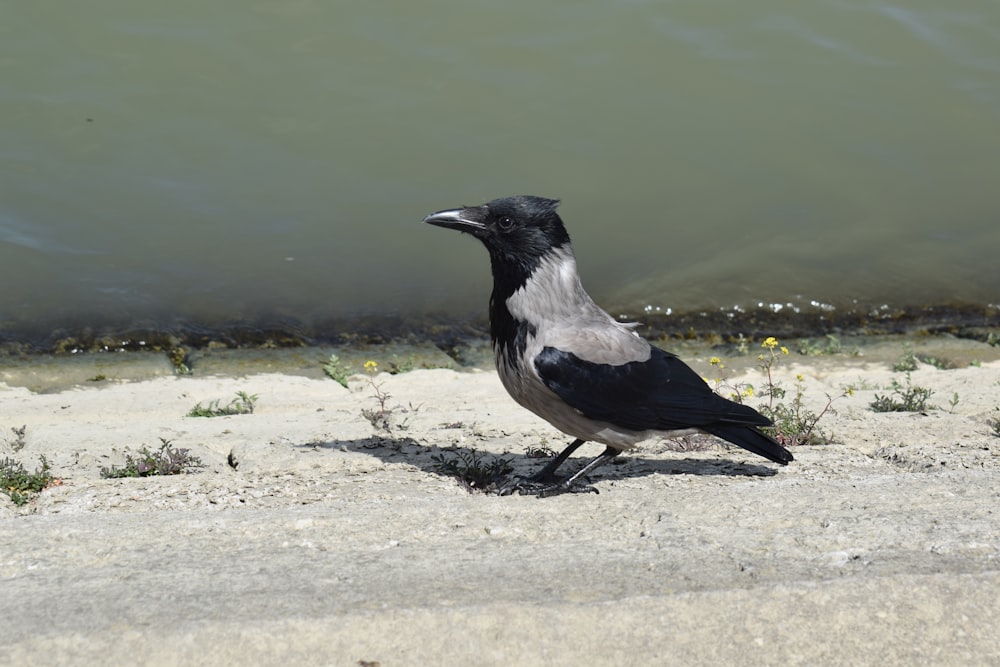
{"x": 954, "y": 336}
{"x": 455, "y": 336}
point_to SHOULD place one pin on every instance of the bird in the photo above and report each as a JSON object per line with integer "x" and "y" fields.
{"x": 564, "y": 358}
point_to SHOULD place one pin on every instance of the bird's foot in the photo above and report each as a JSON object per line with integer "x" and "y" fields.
{"x": 527, "y": 486}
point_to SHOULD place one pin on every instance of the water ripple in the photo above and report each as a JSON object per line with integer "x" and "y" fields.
{"x": 25, "y": 236}
{"x": 930, "y": 27}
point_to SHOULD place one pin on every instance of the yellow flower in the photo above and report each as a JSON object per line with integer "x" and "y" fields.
{"x": 371, "y": 366}
{"x": 770, "y": 342}
{"x": 799, "y": 377}
{"x": 715, "y": 361}
{"x": 748, "y": 391}
{"x": 784, "y": 350}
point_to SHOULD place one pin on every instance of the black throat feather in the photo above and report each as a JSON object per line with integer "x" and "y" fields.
{"x": 507, "y": 332}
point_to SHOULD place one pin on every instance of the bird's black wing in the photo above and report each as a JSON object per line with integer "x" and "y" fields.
{"x": 662, "y": 393}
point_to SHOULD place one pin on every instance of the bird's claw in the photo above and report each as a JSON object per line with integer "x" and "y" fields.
{"x": 544, "y": 489}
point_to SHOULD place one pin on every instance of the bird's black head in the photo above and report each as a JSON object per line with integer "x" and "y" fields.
{"x": 518, "y": 231}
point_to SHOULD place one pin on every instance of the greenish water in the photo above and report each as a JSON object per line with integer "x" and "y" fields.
{"x": 224, "y": 162}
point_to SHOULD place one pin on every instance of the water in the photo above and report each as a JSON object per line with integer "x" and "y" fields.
{"x": 224, "y": 162}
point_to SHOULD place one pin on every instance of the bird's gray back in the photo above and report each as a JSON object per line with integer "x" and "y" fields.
{"x": 562, "y": 315}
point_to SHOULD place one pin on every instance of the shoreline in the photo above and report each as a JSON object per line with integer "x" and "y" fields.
{"x": 974, "y": 321}
{"x": 314, "y": 536}
{"x": 60, "y": 371}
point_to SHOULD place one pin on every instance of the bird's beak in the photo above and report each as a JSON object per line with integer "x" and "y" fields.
{"x": 456, "y": 218}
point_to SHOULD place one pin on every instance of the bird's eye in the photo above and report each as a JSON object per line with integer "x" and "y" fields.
{"x": 506, "y": 223}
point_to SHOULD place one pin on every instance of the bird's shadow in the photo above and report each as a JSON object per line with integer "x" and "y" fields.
{"x": 434, "y": 459}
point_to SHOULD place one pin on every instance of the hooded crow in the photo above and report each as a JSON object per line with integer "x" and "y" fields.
{"x": 561, "y": 356}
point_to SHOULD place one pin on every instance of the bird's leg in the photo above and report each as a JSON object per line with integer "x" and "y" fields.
{"x": 544, "y": 477}
{"x": 547, "y": 474}
{"x": 573, "y": 484}
{"x": 544, "y": 483}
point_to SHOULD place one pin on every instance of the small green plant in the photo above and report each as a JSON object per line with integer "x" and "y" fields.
{"x": 830, "y": 344}
{"x": 21, "y": 485}
{"x": 904, "y": 398}
{"x": 542, "y": 451}
{"x": 336, "y": 371}
{"x": 180, "y": 360}
{"x": 694, "y": 442}
{"x": 243, "y": 404}
{"x": 861, "y": 384}
{"x": 737, "y": 392}
{"x": 381, "y": 417}
{"x": 166, "y": 460}
{"x": 910, "y": 361}
{"x": 794, "y": 424}
{"x": 474, "y": 471}
{"x": 953, "y": 402}
{"x": 907, "y": 362}
{"x": 398, "y": 365}
{"x": 19, "y": 441}
{"x": 378, "y": 417}
{"x": 742, "y": 344}
{"x": 994, "y": 424}
{"x": 940, "y": 364}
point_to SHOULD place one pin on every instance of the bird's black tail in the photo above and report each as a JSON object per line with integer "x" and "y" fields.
{"x": 751, "y": 439}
